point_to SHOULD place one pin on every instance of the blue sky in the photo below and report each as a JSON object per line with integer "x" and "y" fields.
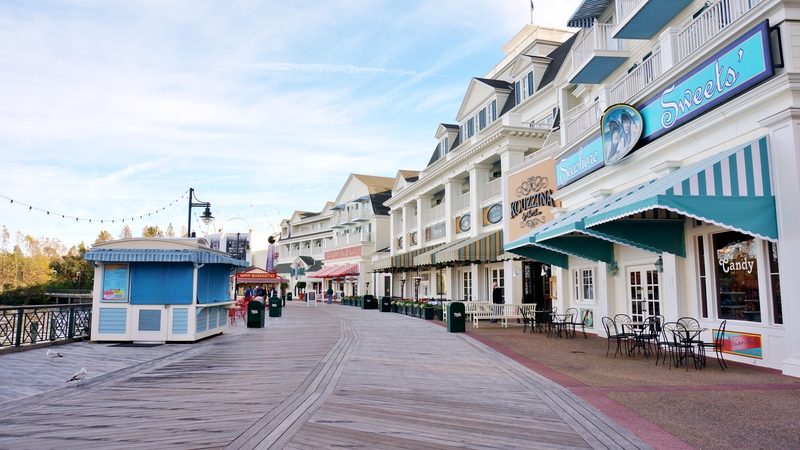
{"x": 112, "y": 110}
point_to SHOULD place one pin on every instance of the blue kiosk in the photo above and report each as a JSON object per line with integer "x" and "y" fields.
{"x": 160, "y": 289}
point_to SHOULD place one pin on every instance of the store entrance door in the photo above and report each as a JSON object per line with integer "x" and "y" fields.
{"x": 644, "y": 292}
{"x": 535, "y": 286}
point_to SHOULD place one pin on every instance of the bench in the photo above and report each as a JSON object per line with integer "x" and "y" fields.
{"x": 502, "y": 312}
{"x": 469, "y": 308}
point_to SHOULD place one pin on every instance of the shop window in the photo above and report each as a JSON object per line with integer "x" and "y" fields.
{"x": 775, "y": 283}
{"x": 584, "y": 284}
{"x": 441, "y": 285}
{"x": 701, "y": 256}
{"x": 737, "y": 276}
{"x": 467, "y": 286}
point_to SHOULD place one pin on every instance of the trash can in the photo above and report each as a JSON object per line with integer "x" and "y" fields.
{"x": 288, "y": 296}
{"x": 255, "y": 314}
{"x": 386, "y": 304}
{"x": 275, "y": 307}
{"x": 456, "y": 318}
{"x": 369, "y": 302}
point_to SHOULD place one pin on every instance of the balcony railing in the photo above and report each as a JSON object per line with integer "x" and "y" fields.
{"x": 638, "y": 79}
{"x": 539, "y": 126}
{"x": 581, "y": 118}
{"x": 710, "y": 23}
{"x": 462, "y": 202}
{"x": 596, "y": 38}
{"x": 626, "y": 6}
{"x": 353, "y": 238}
{"x": 357, "y": 214}
{"x": 493, "y": 189}
{"x": 435, "y": 213}
{"x": 31, "y": 324}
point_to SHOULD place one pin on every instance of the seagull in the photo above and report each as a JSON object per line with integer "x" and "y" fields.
{"x": 79, "y": 375}
{"x": 53, "y": 355}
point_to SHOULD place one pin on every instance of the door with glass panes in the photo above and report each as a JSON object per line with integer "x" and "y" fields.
{"x": 644, "y": 292}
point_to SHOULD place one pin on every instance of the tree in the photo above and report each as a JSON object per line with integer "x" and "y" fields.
{"x": 170, "y": 231}
{"x": 152, "y": 231}
{"x": 104, "y": 236}
{"x": 126, "y": 233}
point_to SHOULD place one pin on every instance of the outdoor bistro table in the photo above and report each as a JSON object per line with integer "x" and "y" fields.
{"x": 560, "y": 322}
{"x": 690, "y": 334}
{"x": 637, "y": 328}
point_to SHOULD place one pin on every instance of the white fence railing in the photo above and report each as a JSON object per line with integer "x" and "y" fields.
{"x": 596, "y": 38}
{"x": 435, "y": 213}
{"x": 493, "y": 189}
{"x": 624, "y": 7}
{"x": 581, "y": 118}
{"x": 637, "y": 80}
{"x": 462, "y": 202}
{"x": 710, "y": 23}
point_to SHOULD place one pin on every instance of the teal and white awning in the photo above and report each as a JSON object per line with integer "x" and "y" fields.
{"x": 584, "y": 16}
{"x": 732, "y": 189}
{"x": 162, "y": 255}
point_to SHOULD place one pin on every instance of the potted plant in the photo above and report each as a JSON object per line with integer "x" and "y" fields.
{"x": 439, "y": 311}
{"x": 428, "y": 311}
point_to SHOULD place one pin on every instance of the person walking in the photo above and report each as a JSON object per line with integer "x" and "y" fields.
{"x": 330, "y": 295}
{"x": 497, "y": 299}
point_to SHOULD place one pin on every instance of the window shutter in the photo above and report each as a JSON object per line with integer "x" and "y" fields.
{"x": 494, "y": 110}
{"x": 517, "y": 92}
{"x": 530, "y": 83}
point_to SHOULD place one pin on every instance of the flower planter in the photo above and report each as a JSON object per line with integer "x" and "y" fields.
{"x": 429, "y": 313}
{"x": 440, "y": 314}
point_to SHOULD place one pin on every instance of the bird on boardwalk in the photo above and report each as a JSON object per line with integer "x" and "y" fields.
{"x": 79, "y": 375}
{"x": 53, "y": 355}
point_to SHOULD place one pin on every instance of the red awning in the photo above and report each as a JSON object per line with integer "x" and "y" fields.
{"x": 336, "y": 271}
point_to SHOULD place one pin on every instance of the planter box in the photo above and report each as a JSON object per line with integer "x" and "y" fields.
{"x": 429, "y": 313}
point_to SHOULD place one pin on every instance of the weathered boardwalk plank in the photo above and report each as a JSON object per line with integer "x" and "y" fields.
{"x": 321, "y": 377}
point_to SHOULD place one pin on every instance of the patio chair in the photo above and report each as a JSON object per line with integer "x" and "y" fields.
{"x": 717, "y": 345}
{"x": 541, "y": 321}
{"x": 683, "y": 345}
{"x": 650, "y": 334}
{"x": 527, "y": 318}
{"x": 690, "y": 323}
{"x": 576, "y": 321}
{"x": 611, "y": 332}
{"x": 622, "y": 321}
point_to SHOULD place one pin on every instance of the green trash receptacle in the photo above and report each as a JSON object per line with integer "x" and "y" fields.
{"x": 386, "y": 304}
{"x": 275, "y": 307}
{"x": 456, "y": 319}
{"x": 369, "y": 302}
{"x": 288, "y": 296}
{"x": 255, "y": 314}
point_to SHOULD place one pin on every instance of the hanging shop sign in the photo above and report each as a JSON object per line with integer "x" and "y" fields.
{"x": 434, "y": 232}
{"x": 493, "y": 214}
{"x": 620, "y": 130}
{"x": 530, "y": 195}
{"x": 463, "y": 223}
{"x": 738, "y": 67}
{"x": 343, "y": 253}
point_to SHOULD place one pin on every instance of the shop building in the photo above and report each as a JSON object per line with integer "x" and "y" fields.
{"x": 675, "y": 171}
{"x": 303, "y": 240}
{"x": 447, "y": 221}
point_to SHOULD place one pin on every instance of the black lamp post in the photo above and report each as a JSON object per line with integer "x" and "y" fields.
{"x": 206, "y": 216}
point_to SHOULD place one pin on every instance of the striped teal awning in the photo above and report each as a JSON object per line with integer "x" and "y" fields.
{"x": 584, "y": 16}
{"x": 162, "y": 255}
{"x": 483, "y": 248}
{"x": 429, "y": 258}
{"x": 732, "y": 189}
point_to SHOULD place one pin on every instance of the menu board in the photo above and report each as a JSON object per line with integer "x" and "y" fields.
{"x": 115, "y": 283}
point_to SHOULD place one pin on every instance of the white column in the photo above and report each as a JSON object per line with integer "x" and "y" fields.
{"x": 667, "y": 39}
{"x": 423, "y": 205}
{"x": 784, "y": 144}
{"x": 604, "y": 291}
{"x": 452, "y": 190}
{"x": 478, "y": 177}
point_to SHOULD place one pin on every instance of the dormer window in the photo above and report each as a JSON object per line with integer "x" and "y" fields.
{"x": 523, "y": 88}
{"x": 480, "y": 120}
{"x": 444, "y": 146}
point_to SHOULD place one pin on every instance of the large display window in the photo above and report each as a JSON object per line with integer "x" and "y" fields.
{"x": 736, "y": 266}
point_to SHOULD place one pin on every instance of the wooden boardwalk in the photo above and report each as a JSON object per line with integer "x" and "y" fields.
{"x": 325, "y": 377}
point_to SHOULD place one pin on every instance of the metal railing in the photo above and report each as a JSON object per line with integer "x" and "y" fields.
{"x": 31, "y": 324}
{"x": 710, "y": 23}
{"x": 596, "y": 38}
{"x": 580, "y": 119}
{"x": 637, "y": 79}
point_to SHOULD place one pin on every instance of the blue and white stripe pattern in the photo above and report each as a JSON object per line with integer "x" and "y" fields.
{"x": 162, "y": 255}
{"x": 584, "y": 16}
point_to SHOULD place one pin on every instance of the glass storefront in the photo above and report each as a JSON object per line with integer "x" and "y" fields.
{"x": 737, "y": 276}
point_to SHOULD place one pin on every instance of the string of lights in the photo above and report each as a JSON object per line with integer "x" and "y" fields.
{"x": 77, "y": 219}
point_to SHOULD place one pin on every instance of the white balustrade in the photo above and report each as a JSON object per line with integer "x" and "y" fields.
{"x": 435, "y": 213}
{"x": 462, "y": 202}
{"x": 638, "y": 79}
{"x": 596, "y": 38}
{"x": 493, "y": 189}
{"x": 581, "y": 118}
{"x": 710, "y": 23}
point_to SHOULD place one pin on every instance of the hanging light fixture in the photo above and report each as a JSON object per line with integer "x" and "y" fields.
{"x": 613, "y": 269}
{"x": 545, "y": 269}
{"x": 659, "y": 264}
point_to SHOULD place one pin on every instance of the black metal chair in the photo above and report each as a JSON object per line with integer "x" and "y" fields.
{"x": 622, "y": 321}
{"x": 649, "y": 335}
{"x": 575, "y": 321}
{"x": 541, "y": 321}
{"x": 611, "y": 332}
{"x": 717, "y": 344}
{"x": 527, "y": 319}
{"x": 683, "y": 344}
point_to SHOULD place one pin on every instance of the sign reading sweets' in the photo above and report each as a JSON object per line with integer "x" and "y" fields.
{"x": 735, "y": 69}
{"x": 343, "y": 253}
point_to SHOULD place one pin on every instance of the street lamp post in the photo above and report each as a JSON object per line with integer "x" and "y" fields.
{"x": 207, "y": 217}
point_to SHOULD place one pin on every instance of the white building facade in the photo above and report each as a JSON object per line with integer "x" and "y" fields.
{"x": 684, "y": 200}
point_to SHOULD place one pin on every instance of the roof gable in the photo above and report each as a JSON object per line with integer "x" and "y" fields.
{"x": 480, "y": 90}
